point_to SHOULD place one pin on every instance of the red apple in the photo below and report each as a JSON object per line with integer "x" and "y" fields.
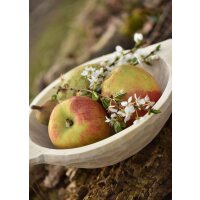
{"x": 76, "y": 122}
{"x": 132, "y": 80}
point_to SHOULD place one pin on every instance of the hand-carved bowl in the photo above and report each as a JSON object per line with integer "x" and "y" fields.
{"x": 117, "y": 147}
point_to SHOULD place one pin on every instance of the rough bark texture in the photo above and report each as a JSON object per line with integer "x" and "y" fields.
{"x": 144, "y": 176}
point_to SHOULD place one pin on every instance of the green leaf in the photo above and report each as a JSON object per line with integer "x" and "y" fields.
{"x": 118, "y": 96}
{"x": 123, "y": 125}
{"x": 117, "y": 127}
{"x": 154, "y": 111}
{"x": 54, "y": 97}
{"x": 95, "y": 96}
{"x": 158, "y": 47}
{"x": 133, "y": 61}
{"x": 105, "y": 102}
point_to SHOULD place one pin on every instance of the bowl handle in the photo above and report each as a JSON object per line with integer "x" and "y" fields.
{"x": 35, "y": 154}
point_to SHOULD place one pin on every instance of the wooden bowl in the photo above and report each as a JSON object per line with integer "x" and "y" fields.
{"x": 117, "y": 147}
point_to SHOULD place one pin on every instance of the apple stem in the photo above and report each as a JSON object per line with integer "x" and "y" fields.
{"x": 35, "y": 107}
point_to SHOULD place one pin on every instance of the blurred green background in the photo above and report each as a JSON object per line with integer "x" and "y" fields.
{"x": 50, "y": 22}
{"x": 66, "y": 33}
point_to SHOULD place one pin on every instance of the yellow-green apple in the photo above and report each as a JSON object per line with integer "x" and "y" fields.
{"x": 43, "y": 112}
{"x": 131, "y": 80}
{"x": 76, "y": 122}
{"x": 75, "y": 80}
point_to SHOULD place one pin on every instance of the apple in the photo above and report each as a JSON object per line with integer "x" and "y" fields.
{"x": 76, "y": 122}
{"x": 131, "y": 80}
{"x": 75, "y": 80}
{"x": 43, "y": 112}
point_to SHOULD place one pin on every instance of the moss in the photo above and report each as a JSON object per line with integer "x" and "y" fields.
{"x": 134, "y": 22}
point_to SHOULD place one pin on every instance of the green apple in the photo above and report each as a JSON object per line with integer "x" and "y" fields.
{"x": 76, "y": 122}
{"x": 43, "y": 112}
{"x": 75, "y": 80}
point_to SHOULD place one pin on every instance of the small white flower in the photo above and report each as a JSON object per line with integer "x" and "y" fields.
{"x": 128, "y": 57}
{"x": 113, "y": 115}
{"x": 92, "y": 69}
{"x": 92, "y": 80}
{"x": 111, "y": 109}
{"x": 103, "y": 63}
{"x": 109, "y": 68}
{"x": 111, "y": 59}
{"x": 84, "y": 73}
{"x": 87, "y": 71}
{"x": 123, "y": 114}
{"x": 141, "y": 101}
{"x": 130, "y": 99}
{"x": 119, "y": 49}
{"x": 128, "y": 111}
{"x": 154, "y": 57}
{"x": 146, "y": 98}
{"x": 151, "y": 103}
{"x": 108, "y": 120}
{"x": 139, "y": 58}
{"x": 124, "y": 103}
{"x": 96, "y": 73}
{"x": 138, "y": 37}
{"x": 147, "y": 107}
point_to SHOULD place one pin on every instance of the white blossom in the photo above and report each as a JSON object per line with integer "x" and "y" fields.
{"x": 122, "y": 113}
{"x": 119, "y": 49}
{"x": 108, "y": 120}
{"x": 155, "y": 57}
{"x": 138, "y": 37}
{"x": 87, "y": 70}
{"x": 84, "y": 73}
{"x": 112, "y": 109}
{"x": 125, "y": 103}
{"x": 143, "y": 102}
{"x": 146, "y": 98}
{"x": 147, "y": 107}
{"x": 129, "y": 110}
{"x": 139, "y": 101}
{"x": 94, "y": 76}
{"x": 114, "y": 115}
